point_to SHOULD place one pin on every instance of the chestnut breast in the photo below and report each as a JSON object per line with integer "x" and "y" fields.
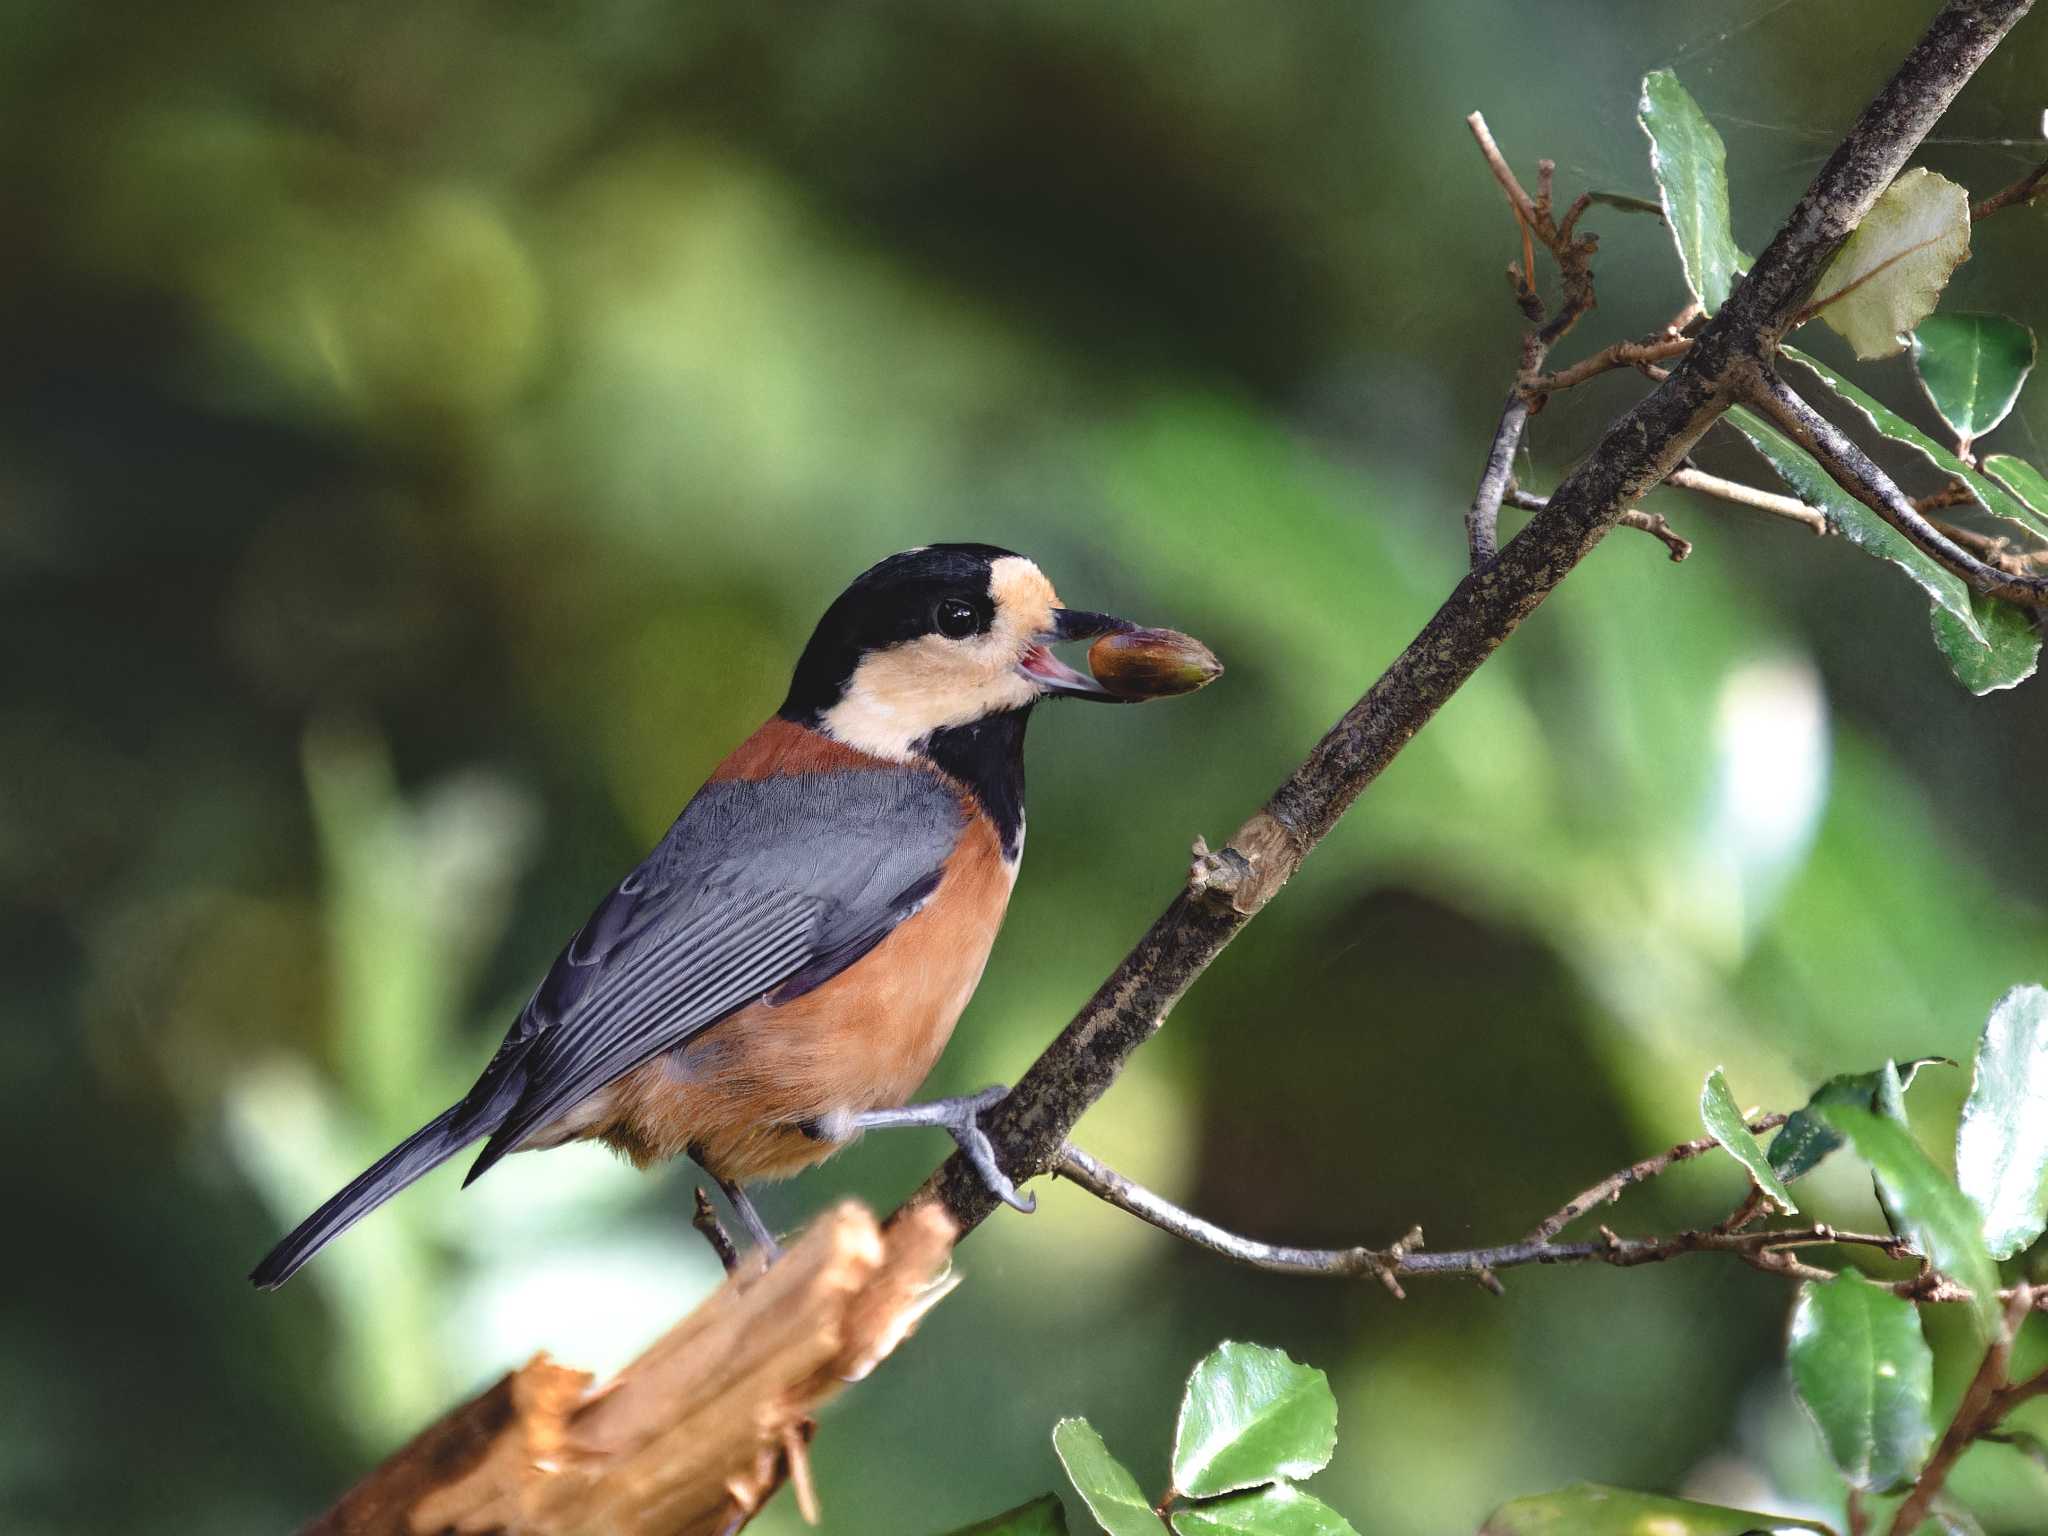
{"x": 738, "y": 1095}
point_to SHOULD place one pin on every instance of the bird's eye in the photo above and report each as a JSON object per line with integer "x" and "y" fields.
{"x": 954, "y": 619}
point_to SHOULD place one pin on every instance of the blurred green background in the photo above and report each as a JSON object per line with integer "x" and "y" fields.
{"x": 427, "y": 434}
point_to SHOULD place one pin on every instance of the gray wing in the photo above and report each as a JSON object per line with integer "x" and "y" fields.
{"x": 762, "y": 888}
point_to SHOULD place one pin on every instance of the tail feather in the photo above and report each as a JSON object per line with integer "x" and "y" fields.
{"x": 419, "y": 1154}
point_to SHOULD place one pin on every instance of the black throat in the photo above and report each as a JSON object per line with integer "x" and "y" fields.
{"x": 988, "y": 757}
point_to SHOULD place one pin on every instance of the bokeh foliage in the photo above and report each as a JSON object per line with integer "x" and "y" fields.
{"x": 427, "y": 432}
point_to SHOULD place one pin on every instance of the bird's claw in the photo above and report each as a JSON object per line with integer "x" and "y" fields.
{"x": 961, "y": 1119}
{"x": 975, "y": 1146}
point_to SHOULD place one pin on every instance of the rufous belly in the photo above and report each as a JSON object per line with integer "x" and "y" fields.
{"x": 740, "y": 1096}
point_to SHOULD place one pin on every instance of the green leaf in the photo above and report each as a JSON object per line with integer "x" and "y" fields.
{"x": 1043, "y": 1516}
{"x": 1723, "y": 1119}
{"x": 1940, "y": 1220}
{"x": 1972, "y": 367}
{"x": 1104, "y": 1483}
{"x": 1593, "y": 1509}
{"x": 1251, "y": 1415}
{"x": 1282, "y": 1510}
{"x": 1986, "y": 643}
{"x": 2026, "y": 483}
{"x": 1691, "y": 166}
{"x": 1861, "y": 526}
{"x": 1805, "y": 1139}
{"x": 2011, "y": 651}
{"x": 1864, "y": 1373}
{"x": 1992, "y": 497}
{"x": 1889, "y": 273}
{"x": 2002, "y": 1147}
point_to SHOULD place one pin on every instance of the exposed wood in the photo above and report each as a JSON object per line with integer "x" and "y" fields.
{"x": 692, "y": 1437}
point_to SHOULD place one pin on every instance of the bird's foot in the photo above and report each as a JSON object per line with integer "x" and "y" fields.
{"x": 961, "y": 1119}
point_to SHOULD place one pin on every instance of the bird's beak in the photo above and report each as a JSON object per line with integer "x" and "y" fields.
{"x": 1055, "y": 679}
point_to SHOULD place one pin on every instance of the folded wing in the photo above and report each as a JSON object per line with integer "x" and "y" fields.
{"x": 768, "y": 886}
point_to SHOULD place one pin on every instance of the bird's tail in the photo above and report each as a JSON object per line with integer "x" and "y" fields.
{"x": 419, "y": 1154}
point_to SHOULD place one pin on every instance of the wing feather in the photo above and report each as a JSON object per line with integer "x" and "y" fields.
{"x": 762, "y": 888}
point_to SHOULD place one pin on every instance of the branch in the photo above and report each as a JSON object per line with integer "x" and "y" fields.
{"x": 1573, "y": 255}
{"x": 1482, "y": 518}
{"x": 1652, "y": 523}
{"x": 1609, "y": 1189}
{"x": 1772, "y": 1250}
{"x": 1986, "y": 1401}
{"x": 691, "y": 1438}
{"x": 1790, "y": 508}
{"x": 1622, "y": 354}
{"x": 1852, "y": 469}
{"x": 1639, "y": 451}
{"x": 2022, "y": 191}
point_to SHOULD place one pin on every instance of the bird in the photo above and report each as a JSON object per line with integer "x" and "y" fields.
{"x": 782, "y": 971}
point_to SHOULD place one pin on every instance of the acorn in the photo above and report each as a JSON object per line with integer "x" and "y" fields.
{"x": 1152, "y": 663}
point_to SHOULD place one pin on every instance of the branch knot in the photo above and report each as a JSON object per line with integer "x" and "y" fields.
{"x": 1248, "y": 871}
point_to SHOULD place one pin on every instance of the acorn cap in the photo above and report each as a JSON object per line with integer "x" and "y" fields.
{"x": 1152, "y": 663}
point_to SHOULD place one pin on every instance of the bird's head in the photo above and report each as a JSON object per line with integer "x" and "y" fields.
{"x": 936, "y": 638}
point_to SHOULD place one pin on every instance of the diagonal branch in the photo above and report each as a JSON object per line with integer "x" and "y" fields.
{"x": 1988, "y": 1398}
{"x": 1639, "y": 450}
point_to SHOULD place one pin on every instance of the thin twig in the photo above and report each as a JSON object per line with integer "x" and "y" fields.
{"x": 1609, "y": 1189}
{"x": 1954, "y": 494}
{"x": 1573, "y": 256}
{"x": 1986, "y": 1401}
{"x": 1520, "y": 201}
{"x": 1622, "y": 354}
{"x": 1769, "y": 1249}
{"x": 1788, "y": 507}
{"x": 1652, "y": 523}
{"x": 2022, "y": 191}
{"x": 1482, "y": 518}
{"x": 1853, "y": 470}
{"x": 1994, "y": 549}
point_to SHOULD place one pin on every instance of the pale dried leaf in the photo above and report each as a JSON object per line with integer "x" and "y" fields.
{"x": 1889, "y": 274}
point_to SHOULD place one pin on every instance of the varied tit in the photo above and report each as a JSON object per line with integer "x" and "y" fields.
{"x": 783, "y": 970}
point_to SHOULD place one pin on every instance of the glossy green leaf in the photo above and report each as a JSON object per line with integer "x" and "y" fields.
{"x": 1889, "y": 273}
{"x": 1939, "y": 1219}
{"x": 1043, "y": 1516}
{"x": 1104, "y": 1483}
{"x": 1593, "y": 1509}
{"x": 1873, "y": 535}
{"x": 2025, "y": 482}
{"x": 2009, "y": 654}
{"x": 1971, "y": 367}
{"x": 2002, "y": 1146}
{"x": 1282, "y": 1510}
{"x": 1989, "y": 495}
{"x": 1723, "y": 1119}
{"x": 1864, "y": 1374}
{"x": 1805, "y": 1139}
{"x": 1691, "y": 166}
{"x": 1250, "y": 1415}
{"x": 1988, "y": 644}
